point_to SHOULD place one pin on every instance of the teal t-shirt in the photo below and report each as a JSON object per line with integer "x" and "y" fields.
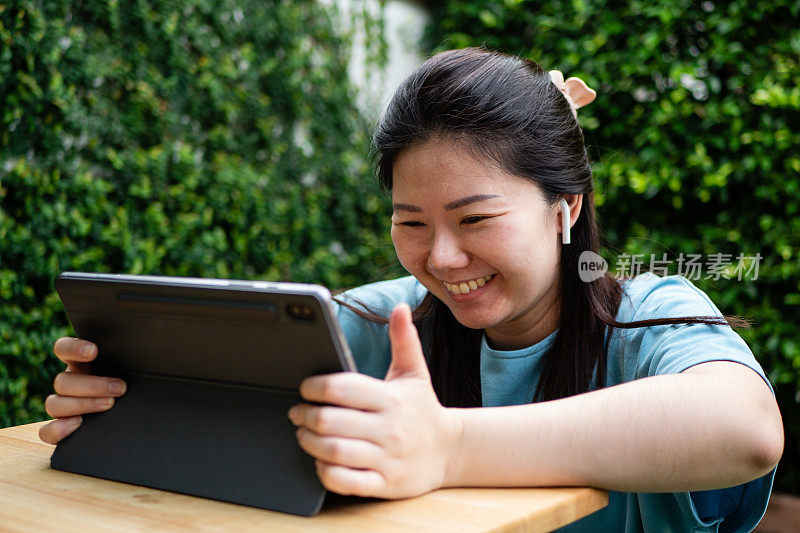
{"x": 511, "y": 377}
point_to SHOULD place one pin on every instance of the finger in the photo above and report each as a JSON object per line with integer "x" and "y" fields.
{"x": 56, "y": 430}
{"x": 353, "y": 453}
{"x": 72, "y": 350}
{"x": 85, "y": 385}
{"x": 348, "y": 389}
{"x": 350, "y": 481}
{"x": 337, "y": 421}
{"x": 402, "y": 331}
{"x": 407, "y": 356}
{"x": 63, "y": 406}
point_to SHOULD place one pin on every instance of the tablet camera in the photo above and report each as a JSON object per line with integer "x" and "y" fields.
{"x": 300, "y": 312}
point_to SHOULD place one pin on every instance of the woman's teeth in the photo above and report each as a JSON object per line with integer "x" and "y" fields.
{"x": 466, "y": 286}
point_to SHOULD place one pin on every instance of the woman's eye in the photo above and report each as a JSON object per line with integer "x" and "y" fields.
{"x": 411, "y": 223}
{"x": 473, "y": 219}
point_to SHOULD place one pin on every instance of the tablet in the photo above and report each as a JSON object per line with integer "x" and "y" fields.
{"x": 212, "y": 367}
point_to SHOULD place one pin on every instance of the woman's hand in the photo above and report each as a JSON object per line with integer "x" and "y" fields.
{"x": 77, "y": 392}
{"x": 384, "y": 438}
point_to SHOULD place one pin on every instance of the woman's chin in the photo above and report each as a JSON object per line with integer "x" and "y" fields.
{"x": 474, "y": 320}
{"x": 471, "y": 314}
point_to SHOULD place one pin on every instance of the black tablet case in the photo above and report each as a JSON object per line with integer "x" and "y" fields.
{"x": 211, "y": 374}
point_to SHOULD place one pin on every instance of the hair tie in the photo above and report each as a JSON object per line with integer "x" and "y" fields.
{"x": 577, "y": 93}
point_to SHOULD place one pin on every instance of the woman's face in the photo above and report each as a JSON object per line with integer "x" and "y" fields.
{"x": 483, "y": 241}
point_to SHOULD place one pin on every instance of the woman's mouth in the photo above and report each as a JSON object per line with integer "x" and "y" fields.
{"x": 465, "y": 287}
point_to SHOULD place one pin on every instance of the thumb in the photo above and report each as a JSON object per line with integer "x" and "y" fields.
{"x": 407, "y": 357}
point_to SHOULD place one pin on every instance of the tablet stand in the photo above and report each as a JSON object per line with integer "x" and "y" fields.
{"x": 231, "y": 443}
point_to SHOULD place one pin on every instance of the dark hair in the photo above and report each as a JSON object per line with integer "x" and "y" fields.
{"x": 506, "y": 110}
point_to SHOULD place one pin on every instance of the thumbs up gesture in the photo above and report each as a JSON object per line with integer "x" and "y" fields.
{"x": 386, "y": 438}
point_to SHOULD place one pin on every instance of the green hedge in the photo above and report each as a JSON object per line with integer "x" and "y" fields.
{"x": 177, "y": 138}
{"x": 696, "y": 138}
{"x": 221, "y": 139}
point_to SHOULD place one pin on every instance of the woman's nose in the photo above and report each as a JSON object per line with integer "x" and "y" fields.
{"x": 446, "y": 253}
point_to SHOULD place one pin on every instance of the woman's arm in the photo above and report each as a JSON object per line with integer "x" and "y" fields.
{"x": 714, "y": 425}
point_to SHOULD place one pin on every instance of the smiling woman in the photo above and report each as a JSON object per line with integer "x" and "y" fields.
{"x": 477, "y": 150}
{"x": 522, "y": 374}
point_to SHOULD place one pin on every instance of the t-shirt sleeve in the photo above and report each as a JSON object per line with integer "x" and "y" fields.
{"x": 369, "y": 340}
{"x": 672, "y": 349}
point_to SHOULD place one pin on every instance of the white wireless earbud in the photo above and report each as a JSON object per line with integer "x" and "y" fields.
{"x": 565, "y": 222}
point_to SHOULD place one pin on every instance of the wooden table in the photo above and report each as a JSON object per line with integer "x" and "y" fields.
{"x": 33, "y": 497}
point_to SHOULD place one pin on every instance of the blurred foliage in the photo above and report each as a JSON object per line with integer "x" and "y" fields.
{"x": 695, "y": 135}
{"x": 222, "y": 139}
{"x": 187, "y": 137}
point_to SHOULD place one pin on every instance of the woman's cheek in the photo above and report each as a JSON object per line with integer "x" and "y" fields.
{"x": 410, "y": 250}
{"x": 484, "y": 243}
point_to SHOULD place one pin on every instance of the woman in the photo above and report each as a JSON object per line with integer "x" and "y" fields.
{"x": 639, "y": 386}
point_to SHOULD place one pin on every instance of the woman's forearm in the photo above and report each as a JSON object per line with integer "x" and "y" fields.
{"x": 691, "y": 431}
